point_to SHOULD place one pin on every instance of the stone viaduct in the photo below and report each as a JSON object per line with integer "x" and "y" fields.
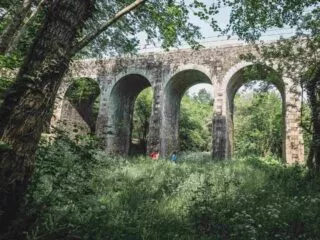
{"x": 170, "y": 74}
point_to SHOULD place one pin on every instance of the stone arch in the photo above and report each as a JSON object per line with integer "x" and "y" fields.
{"x": 78, "y": 100}
{"x": 129, "y": 72}
{"x": 64, "y": 111}
{"x": 173, "y": 91}
{"x": 234, "y": 79}
{"x": 121, "y": 98}
{"x": 187, "y": 67}
{"x": 238, "y": 79}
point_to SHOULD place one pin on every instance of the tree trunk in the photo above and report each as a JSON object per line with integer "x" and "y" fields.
{"x": 145, "y": 130}
{"x": 28, "y": 105}
{"x": 313, "y": 91}
{"x": 14, "y": 25}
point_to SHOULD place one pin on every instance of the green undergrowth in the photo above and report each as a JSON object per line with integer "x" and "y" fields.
{"x": 80, "y": 193}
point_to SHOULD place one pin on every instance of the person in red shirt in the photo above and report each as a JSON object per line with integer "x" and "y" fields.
{"x": 154, "y": 155}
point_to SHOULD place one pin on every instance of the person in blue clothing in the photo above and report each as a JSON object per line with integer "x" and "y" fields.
{"x": 174, "y": 157}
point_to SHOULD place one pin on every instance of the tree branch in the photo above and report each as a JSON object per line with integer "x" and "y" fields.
{"x": 16, "y": 38}
{"x": 15, "y": 24}
{"x": 4, "y": 15}
{"x": 35, "y": 12}
{"x": 91, "y": 36}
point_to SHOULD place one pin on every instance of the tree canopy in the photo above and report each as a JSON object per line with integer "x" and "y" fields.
{"x": 161, "y": 21}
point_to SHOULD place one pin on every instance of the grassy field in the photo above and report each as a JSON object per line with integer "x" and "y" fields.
{"x": 80, "y": 193}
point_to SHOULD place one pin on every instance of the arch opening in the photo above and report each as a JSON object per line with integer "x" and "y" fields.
{"x": 80, "y": 106}
{"x": 260, "y": 106}
{"x": 258, "y": 121}
{"x": 176, "y": 87}
{"x": 195, "y": 119}
{"x": 120, "y": 120}
{"x": 140, "y": 123}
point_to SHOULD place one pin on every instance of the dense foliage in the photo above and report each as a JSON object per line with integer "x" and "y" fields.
{"x": 78, "y": 192}
{"x": 195, "y": 122}
{"x": 7, "y": 64}
{"x": 258, "y": 124}
{"x": 82, "y": 89}
{"x": 141, "y": 115}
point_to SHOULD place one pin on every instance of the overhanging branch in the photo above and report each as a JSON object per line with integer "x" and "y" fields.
{"x": 91, "y": 36}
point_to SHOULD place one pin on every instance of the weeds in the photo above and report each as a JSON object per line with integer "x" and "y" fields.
{"x": 80, "y": 193}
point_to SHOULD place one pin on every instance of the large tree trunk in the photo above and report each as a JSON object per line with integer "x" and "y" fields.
{"x": 313, "y": 91}
{"x": 14, "y": 26}
{"x": 28, "y": 104}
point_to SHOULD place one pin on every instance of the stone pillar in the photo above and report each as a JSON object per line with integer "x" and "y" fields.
{"x": 116, "y": 111}
{"x": 120, "y": 141}
{"x": 73, "y": 118}
{"x": 71, "y": 121}
{"x": 58, "y": 104}
{"x": 294, "y": 147}
{"x": 119, "y": 125}
{"x": 102, "y": 119}
{"x": 169, "y": 133}
{"x": 220, "y": 127}
{"x": 153, "y": 138}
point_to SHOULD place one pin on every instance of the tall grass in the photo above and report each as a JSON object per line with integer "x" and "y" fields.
{"x": 80, "y": 193}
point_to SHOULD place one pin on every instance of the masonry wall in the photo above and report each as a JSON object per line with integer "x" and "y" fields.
{"x": 71, "y": 121}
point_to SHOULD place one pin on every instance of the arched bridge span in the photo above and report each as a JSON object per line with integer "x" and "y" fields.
{"x": 170, "y": 74}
